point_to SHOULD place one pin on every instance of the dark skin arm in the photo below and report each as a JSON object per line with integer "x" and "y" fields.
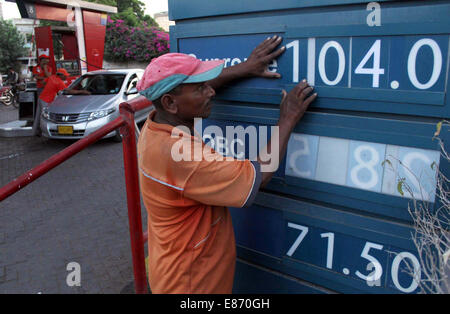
{"x": 293, "y": 105}
{"x": 69, "y": 91}
{"x": 39, "y": 78}
{"x": 46, "y": 71}
{"x": 292, "y": 108}
{"x": 255, "y": 66}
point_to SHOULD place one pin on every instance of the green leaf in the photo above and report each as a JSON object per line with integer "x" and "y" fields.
{"x": 400, "y": 186}
{"x": 433, "y": 165}
{"x": 386, "y": 161}
{"x": 438, "y": 129}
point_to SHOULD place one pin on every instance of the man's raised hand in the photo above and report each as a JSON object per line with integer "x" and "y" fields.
{"x": 260, "y": 58}
{"x": 256, "y": 64}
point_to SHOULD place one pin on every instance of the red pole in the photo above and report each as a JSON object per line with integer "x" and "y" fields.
{"x": 133, "y": 197}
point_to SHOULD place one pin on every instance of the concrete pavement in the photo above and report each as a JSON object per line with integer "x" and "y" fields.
{"x": 75, "y": 213}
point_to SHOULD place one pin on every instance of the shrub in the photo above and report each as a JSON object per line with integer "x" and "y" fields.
{"x": 141, "y": 44}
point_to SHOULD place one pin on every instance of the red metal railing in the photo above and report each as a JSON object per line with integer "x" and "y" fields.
{"x": 128, "y": 130}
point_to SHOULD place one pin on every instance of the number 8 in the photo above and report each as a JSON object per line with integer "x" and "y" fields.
{"x": 365, "y": 165}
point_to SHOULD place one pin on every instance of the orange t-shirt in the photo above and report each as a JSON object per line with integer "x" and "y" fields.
{"x": 191, "y": 244}
{"x": 38, "y": 71}
{"x": 53, "y": 86}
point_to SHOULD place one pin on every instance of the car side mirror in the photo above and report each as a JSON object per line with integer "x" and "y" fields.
{"x": 132, "y": 91}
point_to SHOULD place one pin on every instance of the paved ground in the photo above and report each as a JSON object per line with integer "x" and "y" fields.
{"x": 75, "y": 213}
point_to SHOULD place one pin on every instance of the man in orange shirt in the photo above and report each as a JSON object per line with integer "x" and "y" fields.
{"x": 55, "y": 83}
{"x": 191, "y": 243}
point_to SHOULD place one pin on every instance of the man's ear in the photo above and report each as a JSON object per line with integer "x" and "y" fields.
{"x": 169, "y": 103}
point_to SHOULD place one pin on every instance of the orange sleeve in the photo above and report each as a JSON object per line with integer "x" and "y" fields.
{"x": 227, "y": 182}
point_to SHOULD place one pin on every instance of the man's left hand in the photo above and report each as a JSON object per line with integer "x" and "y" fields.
{"x": 260, "y": 58}
{"x": 256, "y": 64}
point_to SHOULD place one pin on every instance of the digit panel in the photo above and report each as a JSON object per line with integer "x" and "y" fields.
{"x": 364, "y": 165}
{"x": 367, "y": 164}
{"x": 340, "y": 251}
{"x": 398, "y": 67}
{"x": 404, "y": 74}
{"x": 394, "y": 74}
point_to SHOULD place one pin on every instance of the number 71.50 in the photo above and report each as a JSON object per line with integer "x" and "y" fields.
{"x": 375, "y": 276}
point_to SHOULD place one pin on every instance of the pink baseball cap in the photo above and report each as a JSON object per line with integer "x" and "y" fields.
{"x": 172, "y": 69}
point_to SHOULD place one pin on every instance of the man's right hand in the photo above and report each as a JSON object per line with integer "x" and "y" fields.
{"x": 295, "y": 103}
{"x": 292, "y": 109}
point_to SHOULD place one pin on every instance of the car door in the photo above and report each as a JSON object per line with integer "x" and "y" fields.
{"x": 132, "y": 83}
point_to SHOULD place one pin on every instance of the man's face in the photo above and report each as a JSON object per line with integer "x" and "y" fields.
{"x": 61, "y": 76}
{"x": 43, "y": 61}
{"x": 194, "y": 101}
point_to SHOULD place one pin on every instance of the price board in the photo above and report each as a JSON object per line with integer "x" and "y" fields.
{"x": 391, "y": 74}
{"x": 335, "y": 215}
{"x": 314, "y": 243}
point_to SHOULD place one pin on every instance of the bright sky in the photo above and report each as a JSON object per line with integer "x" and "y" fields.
{"x": 155, "y": 6}
{"x": 10, "y": 10}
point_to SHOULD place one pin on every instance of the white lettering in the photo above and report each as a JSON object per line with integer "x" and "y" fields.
{"x": 374, "y": 17}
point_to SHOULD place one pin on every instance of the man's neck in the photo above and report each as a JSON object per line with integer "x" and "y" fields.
{"x": 173, "y": 120}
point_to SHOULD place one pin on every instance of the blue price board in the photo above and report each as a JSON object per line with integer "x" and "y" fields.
{"x": 301, "y": 237}
{"x": 343, "y": 166}
{"x": 376, "y": 264}
{"x": 397, "y": 70}
{"x": 335, "y": 214}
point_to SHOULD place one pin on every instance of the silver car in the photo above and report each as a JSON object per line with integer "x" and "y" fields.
{"x": 76, "y": 116}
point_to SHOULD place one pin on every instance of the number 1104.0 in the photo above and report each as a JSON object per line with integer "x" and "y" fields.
{"x": 370, "y": 64}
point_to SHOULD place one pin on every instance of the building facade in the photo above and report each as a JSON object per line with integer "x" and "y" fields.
{"x": 162, "y": 18}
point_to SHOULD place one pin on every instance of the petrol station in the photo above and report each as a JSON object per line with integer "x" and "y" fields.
{"x": 333, "y": 218}
{"x": 83, "y": 41}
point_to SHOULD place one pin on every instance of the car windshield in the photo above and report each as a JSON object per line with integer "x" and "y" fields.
{"x": 100, "y": 84}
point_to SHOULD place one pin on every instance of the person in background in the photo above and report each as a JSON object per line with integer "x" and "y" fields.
{"x": 55, "y": 83}
{"x": 13, "y": 77}
{"x": 41, "y": 73}
{"x": 29, "y": 75}
{"x": 12, "y": 80}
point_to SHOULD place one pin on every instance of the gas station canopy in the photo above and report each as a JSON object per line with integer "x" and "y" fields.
{"x": 34, "y": 8}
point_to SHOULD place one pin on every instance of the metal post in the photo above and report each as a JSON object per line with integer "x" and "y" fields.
{"x": 133, "y": 197}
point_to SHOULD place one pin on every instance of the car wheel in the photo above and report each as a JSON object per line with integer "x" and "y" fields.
{"x": 117, "y": 138}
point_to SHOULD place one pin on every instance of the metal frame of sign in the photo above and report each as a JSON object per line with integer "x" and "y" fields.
{"x": 199, "y": 8}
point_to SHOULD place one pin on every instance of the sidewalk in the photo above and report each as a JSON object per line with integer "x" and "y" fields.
{"x": 8, "y": 113}
{"x": 75, "y": 213}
